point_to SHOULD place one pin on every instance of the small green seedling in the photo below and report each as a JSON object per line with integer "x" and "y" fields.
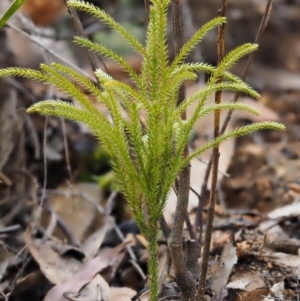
{"x": 147, "y": 157}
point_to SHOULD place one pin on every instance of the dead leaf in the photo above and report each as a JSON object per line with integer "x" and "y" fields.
{"x": 84, "y": 274}
{"x": 55, "y": 267}
{"x": 293, "y": 209}
{"x": 221, "y": 270}
{"x": 255, "y": 279}
{"x": 122, "y": 293}
{"x": 92, "y": 244}
{"x": 77, "y": 213}
{"x": 278, "y": 290}
{"x": 238, "y": 284}
{"x": 97, "y": 289}
{"x": 288, "y": 260}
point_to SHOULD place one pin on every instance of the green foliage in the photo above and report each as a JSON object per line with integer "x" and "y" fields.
{"x": 14, "y": 7}
{"x": 147, "y": 157}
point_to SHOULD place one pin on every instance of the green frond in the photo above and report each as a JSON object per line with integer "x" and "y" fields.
{"x": 180, "y": 78}
{"x": 116, "y": 111}
{"x": 65, "y": 85}
{"x": 79, "y": 78}
{"x": 228, "y": 107}
{"x": 22, "y": 72}
{"x": 195, "y": 39}
{"x": 162, "y": 42}
{"x": 166, "y": 3}
{"x": 103, "y": 76}
{"x": 58, "y": 108}
{"x": 203, "y": 93}
{"x": 242, "y": 131}
{"x": 193, "y": 67}
{"x": 129, "y": 95}
{"x": 151, "y": 69}
{"x": 108, "y": 20}
{"x": 207, "y": 68}
{"x": 186, "y": 128}
{"x": 110, "y": 54}
{"x": 232, "y": 57}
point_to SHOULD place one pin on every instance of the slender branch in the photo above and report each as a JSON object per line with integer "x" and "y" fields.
{"x": 198, "y": 220}
{"x": 164, "y": 227}
{"x": 147, "y": 8}
{"x": 91, "y": 56}
{"x": 189, "y": 227}
{"x": 216, "y": 155}
{"x": 50, "y": 51}
{"x": 184, "y": 278}
{"x": 261, "y": 29}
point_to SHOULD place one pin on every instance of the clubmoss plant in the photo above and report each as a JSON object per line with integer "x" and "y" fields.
{"x": 146, "y": 156}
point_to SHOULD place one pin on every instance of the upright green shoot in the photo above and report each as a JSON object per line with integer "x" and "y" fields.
{"x": 148, "y": 157}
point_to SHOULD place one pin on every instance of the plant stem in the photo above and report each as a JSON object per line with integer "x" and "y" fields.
{"x": 216, "y": 155}
{"x": 184, "y": 278}
{"x": 153, "y": 266}
{"x": 147, "y": 8}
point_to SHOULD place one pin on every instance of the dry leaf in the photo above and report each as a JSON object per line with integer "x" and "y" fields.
{"x": 92, "y": 244}
{"x": 84, "y": 274}
{"x": 239, "y": 284}
{"x": 76, "y": 212}
{"x": 122, "y": 293}
{"x": 55, "y": 267}
{"x": 97, "y": 289}
{"x": 221, "y": 270}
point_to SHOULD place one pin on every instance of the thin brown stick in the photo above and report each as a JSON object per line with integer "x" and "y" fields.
{"x": 147, "y": 9}
{"x": 66, "y": 148}
{"x": 184, "y": 278}
{"x": 216, "y": 155}
{"x": 50, "y": 51}
{"x": 91, "y": 56}
{"x": 164, "y": 227}
{"x": 263, "y": 24}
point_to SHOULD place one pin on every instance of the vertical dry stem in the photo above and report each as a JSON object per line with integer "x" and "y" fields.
{"x": 263, "y": 24}
{"x": 147, "y": 8}
{"x": 91, "y": 56}
{"x": 261, "y": 29}
{"x": 216, "y": 155}
{"x": 184, "y": 278}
